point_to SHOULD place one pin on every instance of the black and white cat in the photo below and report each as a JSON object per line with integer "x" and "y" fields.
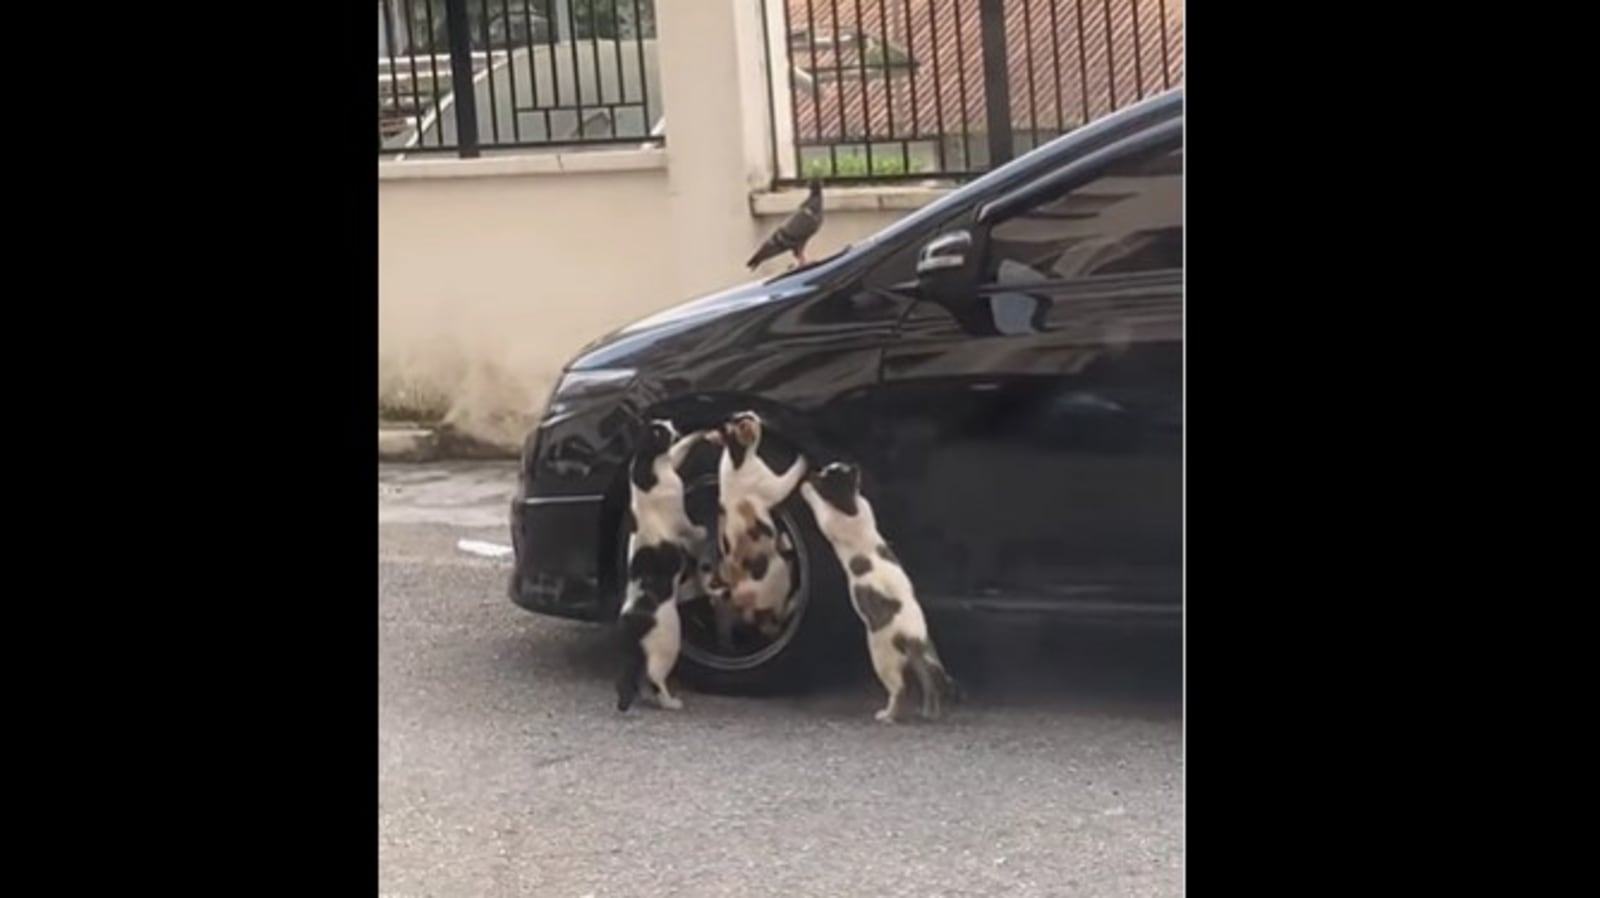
{"x": 755, "y": 575}
{"x": 881, "y": 593}
{"x": 663, "y": 551}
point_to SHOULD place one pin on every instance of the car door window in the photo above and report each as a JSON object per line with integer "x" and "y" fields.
{"x": 1127, "y": 220}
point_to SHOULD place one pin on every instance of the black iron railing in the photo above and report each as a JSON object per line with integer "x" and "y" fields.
{"x": 469, "y": 76}
{"x": 897, "y": 89}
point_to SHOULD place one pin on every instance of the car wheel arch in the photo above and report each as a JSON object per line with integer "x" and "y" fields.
{"x": 690, "y": 411}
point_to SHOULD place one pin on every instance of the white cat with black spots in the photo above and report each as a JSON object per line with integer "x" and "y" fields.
{"x": 881, "y": 593}
{"x": 756, "y": 574}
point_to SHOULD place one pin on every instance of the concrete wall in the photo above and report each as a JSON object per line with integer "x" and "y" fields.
{"x": 493, "y": 272}
{"x": 489, "y": 283}
{"x": 486, "y": 284}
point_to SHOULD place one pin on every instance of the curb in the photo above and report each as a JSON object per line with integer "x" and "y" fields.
{"x": 413, "y": 444}
{"x": 408, "y": 445}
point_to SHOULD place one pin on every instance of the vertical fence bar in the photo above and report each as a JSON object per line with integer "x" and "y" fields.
{"x": 616, "y": 54}
{"x": 996, "y": 80}
{"x": 860, "y": 41}
{"x": 961, "y": 80}
{"x": 577, "y": 79}
{"x": 488, "y": 51}
{"x": 1055, "y": 66}
{"x": 594, "y": 47}
{"x": 838, "y": 89}
{"x": 511, "y": 65}
{"x": 556, "y": 28}
{"x": 916, "y": 112}
{"x": 938, "y": 91}
{"x": 816, "y": 90}
{"x": 461, "y": 86}
{"x": 533, "y": 70}
{"x": 888, "y": 83}
{"x": 433, "y": 67}
{"x": 1138, "y": 52}
{"x": 644, "y": 76}
{"x": 411, "y": 59}
{"x": 1166, "y": 61}
{"x": 1033, "y": 91}
{"x": 1083, "y": 65}
{"x": 1111, "y": 57}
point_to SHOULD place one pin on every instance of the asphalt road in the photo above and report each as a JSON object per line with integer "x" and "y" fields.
{"x": 504, "y": 769}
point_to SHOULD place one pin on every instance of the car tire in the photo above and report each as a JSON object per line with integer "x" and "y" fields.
{"x": 826, "y": 643}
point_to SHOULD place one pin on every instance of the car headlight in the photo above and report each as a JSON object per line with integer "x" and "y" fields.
{"x": 578, "y": 388}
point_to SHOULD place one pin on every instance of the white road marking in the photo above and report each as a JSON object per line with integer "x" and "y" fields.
{"x": 484, "y": 548}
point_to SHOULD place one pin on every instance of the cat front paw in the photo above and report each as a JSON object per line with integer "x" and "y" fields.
{"x": 885, "y": 716}
{"x": 670, "y": 703}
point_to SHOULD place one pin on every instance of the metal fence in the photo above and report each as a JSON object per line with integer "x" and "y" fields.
{"x": 896, "y": 89}
{"x": 468, "y": 76}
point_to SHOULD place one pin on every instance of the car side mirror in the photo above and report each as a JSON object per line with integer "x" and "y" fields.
{"x": 944, "y": 269}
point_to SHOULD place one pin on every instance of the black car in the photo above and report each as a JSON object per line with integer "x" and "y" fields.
{"x": 1005, "y": 364}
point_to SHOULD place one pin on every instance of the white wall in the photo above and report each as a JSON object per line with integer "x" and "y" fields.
{"x": 489, "y": 281}
{"x": 493, "y": 272}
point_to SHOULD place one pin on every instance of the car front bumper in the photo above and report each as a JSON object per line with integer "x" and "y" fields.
{"x": 555, "y": 539}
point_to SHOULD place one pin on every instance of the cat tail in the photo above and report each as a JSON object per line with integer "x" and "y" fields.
{"x": 949, "y": 688}
{"x": 934, "y": 682}
{"x": 631, "y": 628}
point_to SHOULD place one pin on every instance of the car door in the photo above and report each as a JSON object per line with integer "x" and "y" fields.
{"x": 1032, "y": 429}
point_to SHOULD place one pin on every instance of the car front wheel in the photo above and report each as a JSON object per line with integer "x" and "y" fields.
{"x": 810, "y": 646}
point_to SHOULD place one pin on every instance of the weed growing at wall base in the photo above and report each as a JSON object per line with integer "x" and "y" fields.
{"x": 418, "y": 405}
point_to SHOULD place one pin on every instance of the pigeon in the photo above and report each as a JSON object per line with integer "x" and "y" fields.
{"x": 796, "y": 230}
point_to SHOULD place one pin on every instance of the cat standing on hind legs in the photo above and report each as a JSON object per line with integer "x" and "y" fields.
{"x": 743, "y": 474}
{"x": 755, "y": 574}
{"x": 650, "y": 628}
{"x": 902, "y": 654}
{"x": 662, "y": 549}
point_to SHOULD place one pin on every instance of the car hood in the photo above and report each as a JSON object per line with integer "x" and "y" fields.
{"x": 673, "y": 329}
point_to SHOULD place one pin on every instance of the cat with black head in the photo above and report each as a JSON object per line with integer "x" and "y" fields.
{"x": 663, "y": 548}
{"x": 882, "y": 594}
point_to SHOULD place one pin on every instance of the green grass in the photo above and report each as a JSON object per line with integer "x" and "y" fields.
{"x": 854, "y": 165}
{"x": 878, "y": 56}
